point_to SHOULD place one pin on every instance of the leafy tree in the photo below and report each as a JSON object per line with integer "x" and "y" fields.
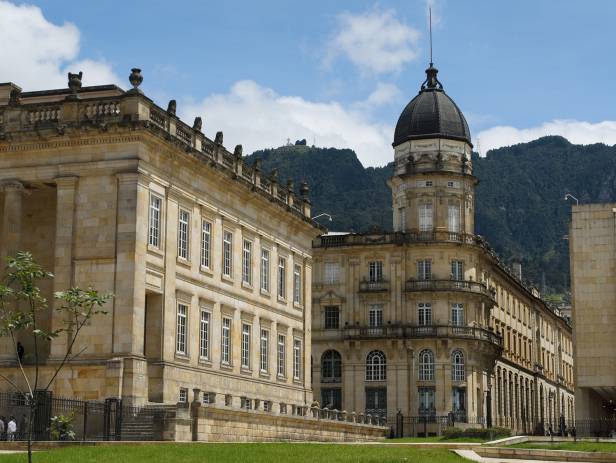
{"x": 21, "y": 307}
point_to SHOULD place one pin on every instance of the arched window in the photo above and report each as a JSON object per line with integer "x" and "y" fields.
{"x": 457, "y": 366}
{"x": 376, "y": 369}
{"x": 331, "y": 367}
{"x": 426, "y": 365}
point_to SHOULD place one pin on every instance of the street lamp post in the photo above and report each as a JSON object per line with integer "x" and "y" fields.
{"x": 570, "y": 196}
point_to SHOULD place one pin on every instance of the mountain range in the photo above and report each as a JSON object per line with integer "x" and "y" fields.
{"x": 520, "y": 208}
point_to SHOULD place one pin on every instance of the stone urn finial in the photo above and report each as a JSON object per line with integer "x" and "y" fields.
{"x": 171, "y": 107}
{"x": 74, "y": 81}
{"x": 304, "y": 189}
{"x": 135, "y": 78}
{"x": 198, "y": 124}
{"x": 237, "y": 152}
{"x": 218, "y": 138}
{"x": 290, "y": 185}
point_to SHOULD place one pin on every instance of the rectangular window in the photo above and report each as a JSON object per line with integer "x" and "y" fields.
{"x": 225, "y": 341}
{"x": 331, "y": 273}
{"x": 282, "y": 278}
{"x": 375, "y": 315}
{"x": 457, "y": 270}
{"x": 454, "y": 218}
{"x": 246, "y": 328}
{"x": 264, "y": 354}
{"x": 426, "y": 401}
{"x": 154, "y": 222}
{"x": 375, "y": 271}
{"x": 424, "y": 313}
{"x": 206, "y": 243}
{"x": 332, "y": 317}
{"x": 180, "y": 331}
{"x": 282, "y": 361}
{"x": 297, "y": 359}
{"x": 183, "y": 395}
{"x": 424, "y": 270}
{"x": 247, "y": 262}
{"x": 425, "y": 217}
{"x": 297, "y": 284}
{"x": 227, "y": 254}
{"x": 457, "y": 314}
{"x": 402, "y": 220}
{"x": 204, "y": 335}
{"x": 183, "y": 234}
{"x": 265, "y": 269}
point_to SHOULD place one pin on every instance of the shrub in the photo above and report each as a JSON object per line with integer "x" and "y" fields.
{"x": 61, "y": 427}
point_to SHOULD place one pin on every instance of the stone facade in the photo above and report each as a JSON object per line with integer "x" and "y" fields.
{"x": 426, "y": 321}
{"x": 208, "y": 258}
{"x": 592, "y": 244}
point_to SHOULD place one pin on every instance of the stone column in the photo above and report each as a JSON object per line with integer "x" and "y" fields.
{"x": 66, "y": 190}
{"x": 129, "y": 303}
{"x": 11, "y": 223}
{"x": 10, "y": 242}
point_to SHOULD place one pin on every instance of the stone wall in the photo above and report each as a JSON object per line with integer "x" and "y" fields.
{"x": 214, "y": 423}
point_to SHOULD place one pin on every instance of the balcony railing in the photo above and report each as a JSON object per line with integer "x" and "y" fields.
{"x": 397, "y": 238}
{"x": 417, "y": 332}
{"x": 449, "y": 285}
{"x": 373, "y": 286}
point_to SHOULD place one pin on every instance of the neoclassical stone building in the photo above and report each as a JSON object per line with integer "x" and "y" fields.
{"x": 425, "y": 320}
{"x": 209, "y": 260}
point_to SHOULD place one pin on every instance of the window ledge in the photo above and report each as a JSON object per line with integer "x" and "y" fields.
{"x": 247, "y": 286}
{"x": 183, "y": 262}
{"x": 206, "y": 270}
{"x": 298, "y": 306}
{"x": 204, "y": 362}
{"x": 155, "y": 250}
{"x": 226, "y": 366}
{"x": 264, "y": 292}
{"x": 282, "y": 300}
{"x": 264, "y": 374}
{"x": 182, "y": 357}
{"x": 226, "y": 278}
{"x": 246, "y": 371}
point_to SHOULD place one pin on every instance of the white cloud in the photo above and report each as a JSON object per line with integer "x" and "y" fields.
{"x": 258, "y": 117}
{"x": 383, "y": 94}
{"x": 577, "y": 132}
{"x": 375, "y": 41}
{"x": 36, "y": 54}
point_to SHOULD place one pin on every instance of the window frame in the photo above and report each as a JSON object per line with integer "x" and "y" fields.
{"x": 181, "y": 328}
{"x": 375, "y": 271}
{"x": 225, "y": 341}
{"x": 328, "y": 310}
{"x": 426, "y": 369}
{"x": 205, "y": 334}
{"x": 426, "y": 217}
{"x": 331, "y": 273}
{"x": 458, "y": 372}
{"x": 264, "y": 350}
{"x": 457, "y": 314}
{"x": 183, "y": 249}
{"x": 297, "y": 284}
{"x": 297, "y": 359}
{"x": 227, "y": 253}
{"x": 206, "y": 244}
{"x": 375, "y": 315}
{"x": 158, "y": 219}
{"x": 424, "y": 314}
{"x": 376, "y": 370}
{"x": 245, "y": 346}
{"x": 424, "y": 270}
{"x": 247, "y": 247}
{"x": 282, "y": 277}
{"x": 281, "y": 355}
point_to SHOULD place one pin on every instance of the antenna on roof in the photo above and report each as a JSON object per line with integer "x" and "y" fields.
{"x": 430, "y": 13}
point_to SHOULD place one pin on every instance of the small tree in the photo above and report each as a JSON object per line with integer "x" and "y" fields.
{"x": 21, "y": 304}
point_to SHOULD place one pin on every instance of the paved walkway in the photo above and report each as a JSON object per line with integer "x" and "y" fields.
{"x": 471, "y": 455}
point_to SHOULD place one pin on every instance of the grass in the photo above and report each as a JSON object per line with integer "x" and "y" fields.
{"x": 580, "y": 446}
{"x": 438, "y": 439}
{"x": 239, "y": 453}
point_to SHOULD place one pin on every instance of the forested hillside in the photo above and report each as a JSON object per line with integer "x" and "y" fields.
{"x": 519, "y": 202}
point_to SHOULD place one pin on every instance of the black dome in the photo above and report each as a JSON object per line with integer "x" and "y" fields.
{"x": 431, "y": 114}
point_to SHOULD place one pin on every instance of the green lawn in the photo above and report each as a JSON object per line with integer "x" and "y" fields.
{"x": 239, "y": 453}
{"x": 438, "y": 439}
{"x": 586, "y": 446}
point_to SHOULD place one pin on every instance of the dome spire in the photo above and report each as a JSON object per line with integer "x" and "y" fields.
{"x": 431, "y": 82}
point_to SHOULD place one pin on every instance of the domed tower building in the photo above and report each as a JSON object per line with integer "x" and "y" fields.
{"x": 424, "y": 324}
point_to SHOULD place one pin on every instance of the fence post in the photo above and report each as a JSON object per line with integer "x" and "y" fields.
{"x": 85, "y": 420}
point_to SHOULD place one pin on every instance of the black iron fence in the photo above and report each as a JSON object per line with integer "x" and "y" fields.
{"x": 58, "y": 418}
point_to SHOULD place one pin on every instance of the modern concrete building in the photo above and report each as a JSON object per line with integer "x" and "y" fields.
{"x": 209, "y": 260}
{"x": 592, "y": 247}
{"x": 425, "y": 320}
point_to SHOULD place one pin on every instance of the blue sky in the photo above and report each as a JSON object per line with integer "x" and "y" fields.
{"x": 338, "y": 73}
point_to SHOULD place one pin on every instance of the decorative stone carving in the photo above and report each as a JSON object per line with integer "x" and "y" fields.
{"x": 198, "y": 124}
{"x": 274, "y": 175}
{"x": 304, "y": 189}
{"x": 290, "y": 185}
{"x": 135, "y": 78}
{"x": 171, "y": 107}
{"x": 74, "y": 81}
{"x": 237, "y": 152}
{"x": 218, "y": 139}
{"x": 15, "y": 97}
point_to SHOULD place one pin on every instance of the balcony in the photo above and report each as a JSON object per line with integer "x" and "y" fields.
{"x": 419, "y": 332}
{"x": 373, "y": 286}
{"x": 450, "y": 285}
{"x": 395, "y": 238}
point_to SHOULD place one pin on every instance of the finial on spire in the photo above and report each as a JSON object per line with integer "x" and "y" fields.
{"x": 430, "y": 21}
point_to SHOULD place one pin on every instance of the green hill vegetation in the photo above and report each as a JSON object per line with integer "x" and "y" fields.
{"x": 519, "y": 201}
